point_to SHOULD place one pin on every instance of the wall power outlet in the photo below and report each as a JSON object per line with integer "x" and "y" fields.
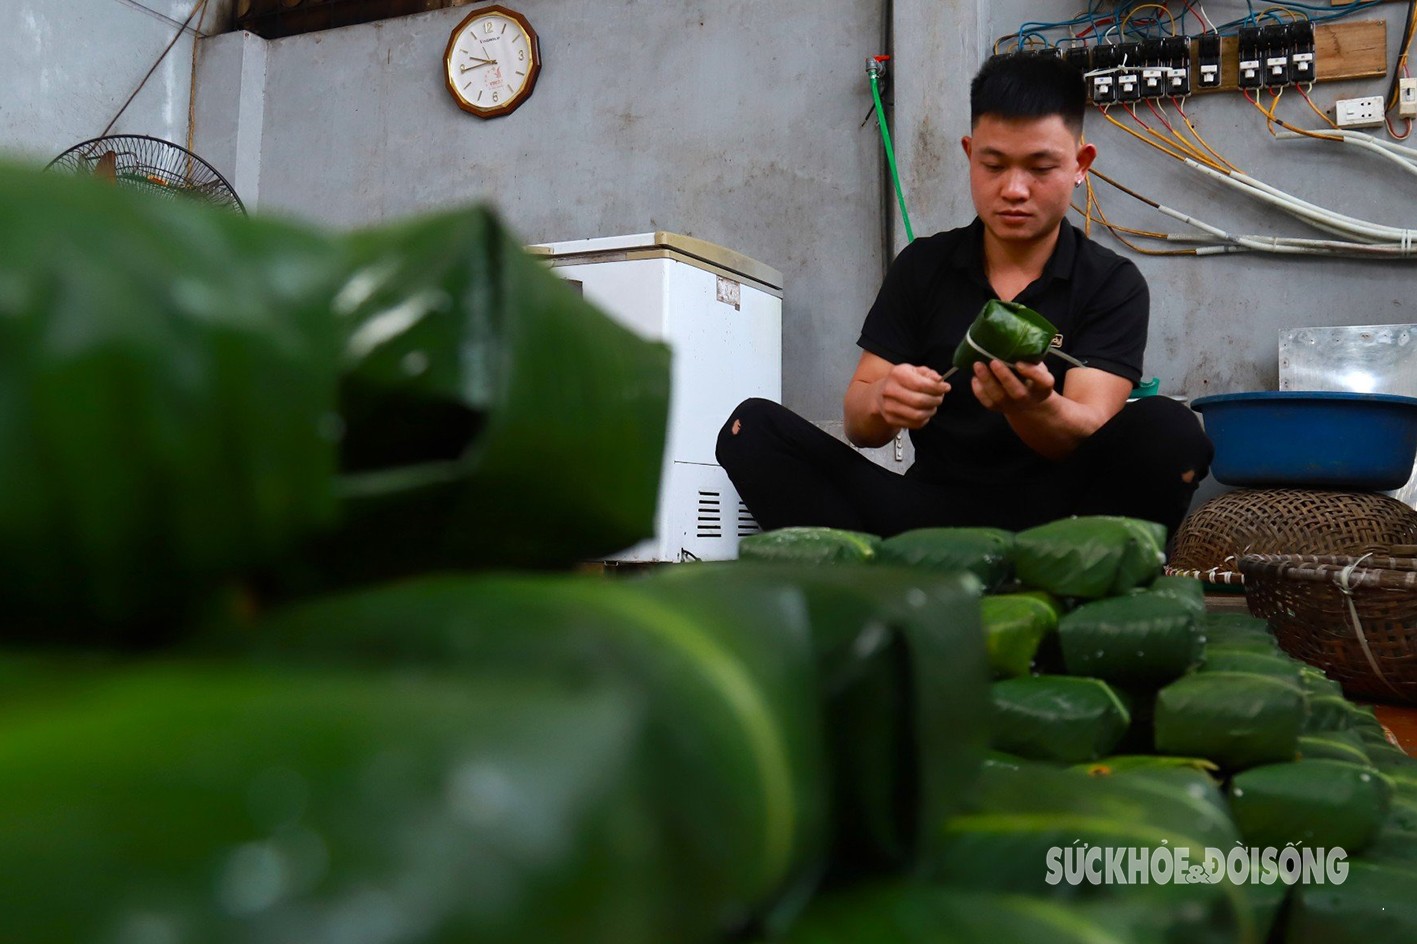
{"x": 1407, "y": 98}
{"x": 1359, "y": 112}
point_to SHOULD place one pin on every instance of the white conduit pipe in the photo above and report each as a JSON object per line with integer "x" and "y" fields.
{"x": 1284, "y": 245}
{"x": 1379, "y": 231}
{"x": 1398, "y": 149}
{"x": 1364, "y": 143}
{"x": 1318, "y": 216}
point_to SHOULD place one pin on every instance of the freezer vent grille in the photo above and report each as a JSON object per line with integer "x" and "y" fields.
{"x": 710, "y": 523}
{"x": 746, "y": 523}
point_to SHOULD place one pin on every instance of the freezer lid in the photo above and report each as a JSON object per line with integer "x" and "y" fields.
{"x": 660, "y": 244}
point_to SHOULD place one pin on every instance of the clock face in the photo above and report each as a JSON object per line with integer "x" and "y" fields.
{"x": 492, "y": 61}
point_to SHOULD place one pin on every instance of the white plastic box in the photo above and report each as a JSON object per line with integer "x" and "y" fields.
{"x": 721, "y": 314}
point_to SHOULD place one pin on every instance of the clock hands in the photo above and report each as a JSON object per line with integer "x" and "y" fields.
{"x": 480, "y": 63}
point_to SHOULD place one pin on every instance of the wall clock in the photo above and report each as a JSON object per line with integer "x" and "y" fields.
{"x": 492, "y": 61}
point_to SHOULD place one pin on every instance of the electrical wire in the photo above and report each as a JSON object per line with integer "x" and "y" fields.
{"x": 1122, "y": 232}
{"x": 1186, "y": 146}
{"x": 192, "y": 87}
{"x": 1150, "y": 6}
{"x": 1400, "y": 66}
{"x": 1197, "y": 135}
{"x": 1305, "y": 94}
{"x": 1225, "y": 242}
{"x": 200, "y": 4}
{"x": 1160, "y": 147}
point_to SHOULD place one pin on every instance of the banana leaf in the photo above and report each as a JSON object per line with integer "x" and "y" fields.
{"x": 1187, "y": 590}
{"x": 900, "y": 659}
{"x": 1057, "y": 718}
{"x": 1236, "y": 719}
{"x": 225, "y": 804}
{"x": 1014, "y": 625}
{"x": 1223, "y": 626}
{"x": 1315, "y": 682}
{"x": 491, "y": 416}
{"x": 1396, "y": 839}
{"x": 810, "y": 546}
{"x": 729, "y": 682}
{"x": 984, "y": 552}
{"x": 1126, "y": 763}
{"x": 1005, "y": 331}
{"x": 1333, "y": 745}
{"x": 1138, "y": 640}
{"x": 1089, "y": 557}
{"x": 1029, "y": 831}
{"x": 1385, "y": 757}
{"x": 1328, "y": 713}
{"x": 913, "y": 913}
{"x": 1226, "y": 659}
{"x": 1313, "y": 803}
{"x": 167, "y": 397}
{"x": 1374, "y": 903}
{"x": 1364, "y": 721}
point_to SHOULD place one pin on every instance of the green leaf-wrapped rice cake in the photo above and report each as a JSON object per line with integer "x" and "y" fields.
{"x": 1136, "y": 640}
{"x": 228, "y": 804}
{"x": 984, "y": 552}
{"x": 1373, "y": 903}
{"x": 1090, "y": 557}
{"x": 1014, "y": 625}
{"x": 1005, "y": 331}
{"x": 1313, "y": 803}
{"x": 1236, "y": 719}
{"x": 1057, "y": 717}
{"x": 167, "y": 404}
{"x": 729, "y": 681}
{"x": 807, "y": 545}
{"x": 902, "y": 675}
{"x": 492, "y": 416}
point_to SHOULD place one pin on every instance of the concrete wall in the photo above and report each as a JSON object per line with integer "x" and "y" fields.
{"x": 738, "y": 122}
{"x": 67, "y": 69}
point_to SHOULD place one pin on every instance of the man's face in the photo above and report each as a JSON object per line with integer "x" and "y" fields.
{"x": 1022, "y": 172}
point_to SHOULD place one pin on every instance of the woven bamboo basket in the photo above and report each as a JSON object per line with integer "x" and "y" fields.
{"x": 1355, "y": 617}
{"x": 1212, "y": 539}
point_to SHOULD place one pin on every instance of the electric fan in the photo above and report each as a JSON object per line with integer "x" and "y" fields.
{"x": 140, "y": 162}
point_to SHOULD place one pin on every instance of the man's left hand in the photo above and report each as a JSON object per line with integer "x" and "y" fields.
{"x": 1015, "y": 388}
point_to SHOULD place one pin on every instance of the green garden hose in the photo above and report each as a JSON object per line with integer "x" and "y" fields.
{"x": 873, "y": 69}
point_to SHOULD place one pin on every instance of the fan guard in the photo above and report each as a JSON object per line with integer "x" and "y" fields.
{"x": 140, "y": 162}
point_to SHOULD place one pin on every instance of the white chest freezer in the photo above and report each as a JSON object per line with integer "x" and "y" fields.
{"x": 721, "y": 314}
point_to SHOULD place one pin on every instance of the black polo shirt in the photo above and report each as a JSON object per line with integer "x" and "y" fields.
{"x": 934, "y": 290}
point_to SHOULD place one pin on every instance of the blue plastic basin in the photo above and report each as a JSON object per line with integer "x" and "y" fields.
{"x": 1311, "y": 439}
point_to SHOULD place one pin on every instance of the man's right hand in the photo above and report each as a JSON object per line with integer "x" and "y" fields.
{"x": 908, "y": 395}
{"x": 884, "y": 398}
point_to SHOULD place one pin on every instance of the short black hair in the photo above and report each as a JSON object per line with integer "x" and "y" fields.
{"x": 1029, "y": 85}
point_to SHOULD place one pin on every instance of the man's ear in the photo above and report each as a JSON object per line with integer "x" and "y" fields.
{"x": 1086, "y": 155}
{"x": 966, "y": 143}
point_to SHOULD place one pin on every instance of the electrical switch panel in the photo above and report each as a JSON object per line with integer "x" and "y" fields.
{"x": 1208, "y": 60}
{"x": 1079, "y": 57}
{"x": 1251, "y": 66}
{"x": 1102, "y": 81}
{"x": 1176, "y": 57}
{"x": 1302, "y": 57}
{"x": 1274, "y": 46}
{"x": 1153, "y": 69}
{"x": 1129, "y": 79}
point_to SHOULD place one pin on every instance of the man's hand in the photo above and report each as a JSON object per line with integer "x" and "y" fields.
{"x": 908, "y": 396}
{"x": 883, "y": 398}
{"x": 1011, "y": 389}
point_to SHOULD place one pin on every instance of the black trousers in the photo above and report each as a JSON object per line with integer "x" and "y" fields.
{"x": 1146, "y": 462}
